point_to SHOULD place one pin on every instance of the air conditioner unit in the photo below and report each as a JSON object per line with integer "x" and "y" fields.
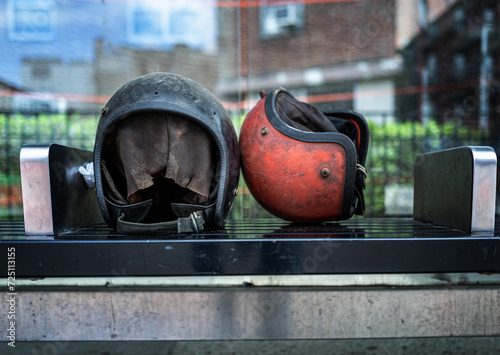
{"x": 280, "y": 18}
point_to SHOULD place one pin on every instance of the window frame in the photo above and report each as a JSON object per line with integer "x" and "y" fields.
{"x": 165, "y": 11}
{"x": 34, "y": 6}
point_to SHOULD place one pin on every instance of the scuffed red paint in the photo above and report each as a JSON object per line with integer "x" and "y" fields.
{"x": 283, "y": 174}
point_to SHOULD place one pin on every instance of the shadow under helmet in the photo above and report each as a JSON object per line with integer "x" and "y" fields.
{"x": 166, "y": 157}
{"x": 301, "y": 164}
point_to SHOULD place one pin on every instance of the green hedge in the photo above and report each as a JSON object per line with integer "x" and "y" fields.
{"x": 394, "y": 147}
{"x": 15, "y": 130}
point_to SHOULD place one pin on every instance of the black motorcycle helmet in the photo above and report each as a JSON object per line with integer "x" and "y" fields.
{"x": 166, "y": 157}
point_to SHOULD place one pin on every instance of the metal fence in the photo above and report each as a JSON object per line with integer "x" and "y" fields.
{"x": 393, "y": 149}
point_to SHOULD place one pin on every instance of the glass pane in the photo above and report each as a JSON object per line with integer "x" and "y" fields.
{"x": 424, "y": 73}
{"x": 147, "y": 23}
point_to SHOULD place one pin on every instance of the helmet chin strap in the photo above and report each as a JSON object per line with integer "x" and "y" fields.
{"x": 359, "y": 185}
{"x": 193, "y": 220}
{"x": 193, "y": 224}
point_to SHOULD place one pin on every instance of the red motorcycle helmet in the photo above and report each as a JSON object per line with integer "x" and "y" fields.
{"x": 301, "y": 164}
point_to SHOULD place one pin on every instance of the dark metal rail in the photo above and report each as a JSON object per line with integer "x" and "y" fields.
{"x": 257, "y": 247}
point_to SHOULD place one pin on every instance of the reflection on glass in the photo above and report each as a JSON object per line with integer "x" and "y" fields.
{"x": 424, "y": 73}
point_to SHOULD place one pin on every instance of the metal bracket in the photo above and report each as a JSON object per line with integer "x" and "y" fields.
{"x": 456, "y": 188}
{"x": 56, "y": 198}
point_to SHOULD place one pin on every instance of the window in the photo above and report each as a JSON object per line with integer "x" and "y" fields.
{"x": 459, "y": 19}
{"x": 31, "y": 20}
{"x": 488, "y": 15}
{"x": 422, "y": 13}
{"x": 41, "y": 70}
{"x": 276, "y": 20}
{"x": 459, "y": 66}
{"x": 146, "y": 22}
{"x": 182, "y": 21}
{"x": 170, "y": 23}
{"x": 431, "y": 66}
{"x": 184, "y": 25}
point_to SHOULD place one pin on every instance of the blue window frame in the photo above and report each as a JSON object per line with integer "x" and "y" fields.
{"x": 171, "y": 22}
{"x": 31, "y": 20}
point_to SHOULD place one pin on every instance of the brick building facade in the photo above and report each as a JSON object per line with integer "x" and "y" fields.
{"x": 329, "y": 51}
